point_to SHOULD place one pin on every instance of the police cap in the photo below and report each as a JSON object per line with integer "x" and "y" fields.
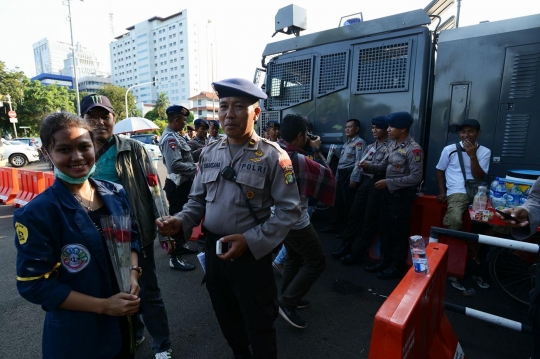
{"x": 272, "y": 124}
{"x": 190, "y": 128}
{"x": 200, "y": 122}
{"x": 236, "y": 87}
{"x": 94, "y": 100}
{"x": 380, "y": 122}
{"x": 400, "y": 119}
{"x": 177, "y": 109}
{"x": 214, "y": 122}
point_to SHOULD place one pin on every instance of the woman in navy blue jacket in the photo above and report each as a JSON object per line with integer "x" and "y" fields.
{"x": 62, "y": 260}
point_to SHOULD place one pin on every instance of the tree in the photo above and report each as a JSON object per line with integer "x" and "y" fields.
{"x": 12, "y": 83}
{"x": 116, "y": 94}
{"x": 151, "y": 115}
{"x": 161, "y": 105}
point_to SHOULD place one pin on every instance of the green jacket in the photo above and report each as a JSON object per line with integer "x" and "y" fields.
{"x": 129, "y": 157}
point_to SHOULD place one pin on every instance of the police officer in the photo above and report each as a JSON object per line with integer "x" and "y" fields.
{"x": 180, "y": 172}
{"x": 348, "y": 177}
{"x": 273, "y": 128}
{"x": 364, "y": 216}
{"x": 200, "y": 140}
{"x": 404, "y": 168}
{"x": 190, "y": 132}
{"x": 238, "y": 180}
{"x": 213, "y": 131}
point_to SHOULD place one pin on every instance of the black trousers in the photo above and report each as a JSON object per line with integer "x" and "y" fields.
{"x": 244, "y": 297}
{"x": 304, "y": 264}
{"x": 177, "y": 196}
{"x": 396, "y": 218}
{"x": 344, "y": 198}
{"x": 364, "y": 211}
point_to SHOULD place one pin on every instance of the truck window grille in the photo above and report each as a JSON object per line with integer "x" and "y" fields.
{"x": 383, "y": 68}
{"x": 524, "y": 75}
{"x": 290, "y": 83}
{"x": 265, "y": 117}
{"x": 515, "y": 140}
{"x": 333, "y": 71}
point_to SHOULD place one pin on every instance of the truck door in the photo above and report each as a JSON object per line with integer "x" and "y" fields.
{"x": 518, "y": 121}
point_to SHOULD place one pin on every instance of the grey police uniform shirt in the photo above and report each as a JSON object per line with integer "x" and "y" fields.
{"x": 218, "y": 137}
{"x": 379, "y": 152}
{"x": 352, "y": 152}
{"x": 197, "y": 144}
{"x": 266, "y": 175}
{"x": 403, "y": 164}
{"x": 177, "y": 157}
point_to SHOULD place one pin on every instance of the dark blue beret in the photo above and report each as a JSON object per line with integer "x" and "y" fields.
{"x": 380, "y": 122}
{"x": 214, "y": 122}
{"x": 200, "y": 122}
{"x": 272, "y": 123}
{"x": 177, "y": 109}
{"x": 400, "y": 119}
{"x": 238, "y": 88}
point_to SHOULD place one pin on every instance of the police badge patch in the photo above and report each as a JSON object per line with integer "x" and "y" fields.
{"x": 172, "y": 144}
{"x": 417, "y": 153}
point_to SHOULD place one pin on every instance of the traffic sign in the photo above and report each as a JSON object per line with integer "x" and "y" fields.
{"x": 13, "y": 120}
{"x": 12, "y": 114}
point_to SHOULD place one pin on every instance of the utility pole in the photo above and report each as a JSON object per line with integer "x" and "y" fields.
{"x": 74, "y": 60}
{"x": 11, "y": 109}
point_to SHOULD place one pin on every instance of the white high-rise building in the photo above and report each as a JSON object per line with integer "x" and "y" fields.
{"x": 49, "y": 56}
{"x": 176, "y": 50}
{"x": 87, "y": 64}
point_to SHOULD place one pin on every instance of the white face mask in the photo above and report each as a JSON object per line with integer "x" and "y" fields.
{"x": 64, "y": 177}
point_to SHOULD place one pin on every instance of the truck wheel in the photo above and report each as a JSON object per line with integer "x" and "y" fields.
{"x": 18, "y": 160}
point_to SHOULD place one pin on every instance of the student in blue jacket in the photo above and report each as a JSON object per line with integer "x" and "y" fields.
{"x": 62, "y": 259}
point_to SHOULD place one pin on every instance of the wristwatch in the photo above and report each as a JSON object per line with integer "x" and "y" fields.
{"x": 138, "y": 269}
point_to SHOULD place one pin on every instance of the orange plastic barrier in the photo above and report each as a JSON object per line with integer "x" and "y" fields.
{"x": 9, "y": 184}
{"x": 428, "y": 212}
{"x": 49, "y": 178}
{"x": 31, "y": 183}
{"x": 412, "y": 324}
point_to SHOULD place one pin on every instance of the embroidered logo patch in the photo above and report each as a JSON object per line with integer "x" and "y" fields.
{"x": 22, "y": 233}
{"x": 172, "y": 144}
{"x": 74, "y": 257}
{"x": 417, "y": 154}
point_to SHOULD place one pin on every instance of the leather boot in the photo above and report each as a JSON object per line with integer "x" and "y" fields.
{"x": 377, "y": 266}
{"x": 342, "y": 251}
{"x": 394, "y": 271}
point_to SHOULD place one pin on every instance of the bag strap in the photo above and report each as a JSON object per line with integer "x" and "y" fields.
{"x": 248, "y": 204}
{"x": 460, "y": 156}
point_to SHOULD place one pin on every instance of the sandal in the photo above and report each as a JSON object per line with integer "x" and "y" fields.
{"x": 455, "y": 283}
{"x": 481, "y": 283}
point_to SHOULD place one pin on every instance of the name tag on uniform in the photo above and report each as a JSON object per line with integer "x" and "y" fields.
{"x": 252, "y": 167}
{"x": 209, "y": 165}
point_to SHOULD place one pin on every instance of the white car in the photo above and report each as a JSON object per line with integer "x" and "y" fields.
{"x": 19, "y": 154}
{"x": 152, "y": 150}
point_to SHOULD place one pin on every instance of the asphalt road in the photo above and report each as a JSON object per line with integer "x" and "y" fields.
{"x": 344, "y": 302}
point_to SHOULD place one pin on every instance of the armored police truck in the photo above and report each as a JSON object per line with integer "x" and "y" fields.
{"x": 489, "y": 72}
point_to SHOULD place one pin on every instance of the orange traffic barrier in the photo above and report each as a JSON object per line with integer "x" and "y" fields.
{"x": 31, "y": 183}
{"x": 412, "y": 322}
{"x": 49, "y": 178}
{"x": 9, "y": 184}
{"x": 428, "y": 212}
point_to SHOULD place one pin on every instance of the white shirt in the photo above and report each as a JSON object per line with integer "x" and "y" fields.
{"x": 449, "y": 163}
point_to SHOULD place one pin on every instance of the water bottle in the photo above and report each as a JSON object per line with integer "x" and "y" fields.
{"x": 418, "y": 254}
{"x": 493, "y": 186}
{"x": 480, "y": 200}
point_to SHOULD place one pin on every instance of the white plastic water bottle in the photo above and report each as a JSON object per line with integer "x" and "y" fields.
{"x": 418, "y": 254}
{"x": 480, "y": 200}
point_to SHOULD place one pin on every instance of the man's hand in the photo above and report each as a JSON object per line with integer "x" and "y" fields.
{"x": 238, "y": 246}
{"x": 364, "y": 164}
{"x": 352, "y": 184}
{"x": 381, "y": 184}
{"x": 518, "y": 213}
{"x": 315, "y": 143}
{"x": 441, "y": 197}
{"x": 168, "y": 225}
{"x": 470, "y": 148}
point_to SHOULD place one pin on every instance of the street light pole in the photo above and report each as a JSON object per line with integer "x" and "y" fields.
{"x": 11, "y": 109}
{"x": 74, "y": 61}
{"x": 129, "y": 88}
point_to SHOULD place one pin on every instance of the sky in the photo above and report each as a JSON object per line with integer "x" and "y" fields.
{"x": 242, "y": 27}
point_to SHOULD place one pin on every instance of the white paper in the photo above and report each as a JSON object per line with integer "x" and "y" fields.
{"x": 201, "y": 257}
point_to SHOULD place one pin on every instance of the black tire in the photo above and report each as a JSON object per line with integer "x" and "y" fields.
{"x": 18, "y": 160}
{"x": 514, "y": 272}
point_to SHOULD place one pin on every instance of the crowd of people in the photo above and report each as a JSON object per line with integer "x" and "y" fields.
{"x": 269, "y": 185}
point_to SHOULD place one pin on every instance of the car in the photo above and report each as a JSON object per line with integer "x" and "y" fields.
{"x": 145, "y": 138}
{"x": 19, "y": 154}
{"x": 28, "y": 140}
{"x": 153, "y": 150}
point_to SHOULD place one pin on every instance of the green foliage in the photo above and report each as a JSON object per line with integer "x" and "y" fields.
{"x": 151, "y": 115}
{"x": 116, "y": 94}
{"x": 162, "y": 124}
{"x": 11, "y": 82}
{"x": 161, "y": 105}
